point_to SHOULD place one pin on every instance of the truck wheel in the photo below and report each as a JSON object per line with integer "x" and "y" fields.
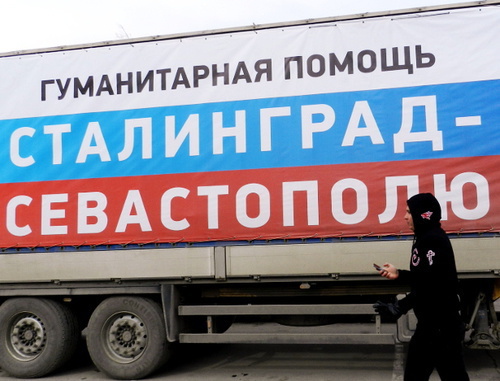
{"x": 126, "y": 337}
{"x": 37, "y": 336}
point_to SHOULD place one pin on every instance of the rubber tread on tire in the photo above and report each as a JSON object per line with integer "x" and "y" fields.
{"x": 126, "y": 337}
{"x": 49, "y": 336}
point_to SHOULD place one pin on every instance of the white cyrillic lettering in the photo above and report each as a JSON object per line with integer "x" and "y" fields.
{"x": 264, "y": 205}
{"x": 133, "y": 201}
{"x": 468, "y": 121}
{"x": 87, "y": 213}
{"x": 391, "y": 194}
{"x": 265, "y": 124}
{"x": 146, "y": 126}
{"x": 431, "y": 132}
{"x": 309, "y": 126}
{"x": 15, "y": 155}
{"x": 213, "y": 192}
{"x": 362, "y": 110}
{"x": 190, "y": 129}
{"x": 312, "y": 203}
{"x": 49, "y": 214}
{"x": 456, "y": 195}
{"x": 11, "y": 212}
{"x": 166, "y": 209}
{"x": 93, "y": 132}
{"x": 338, "y": 201}
{"x": 238, "y": 131}
{"x": 56, "y": 131}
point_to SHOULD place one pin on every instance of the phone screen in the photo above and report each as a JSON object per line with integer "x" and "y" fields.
{"x": 377, "y": 267}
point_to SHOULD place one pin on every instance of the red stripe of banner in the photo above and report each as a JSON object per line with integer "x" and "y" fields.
{"x": 194, "y": 208}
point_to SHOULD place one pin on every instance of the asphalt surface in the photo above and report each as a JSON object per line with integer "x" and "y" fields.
{"x": 284, "y": 363}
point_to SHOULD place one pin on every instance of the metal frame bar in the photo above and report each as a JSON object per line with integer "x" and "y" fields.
{"x": 318, "y": 21}
{"x": 278, "y": 309}
{"x": 299, "y": 334}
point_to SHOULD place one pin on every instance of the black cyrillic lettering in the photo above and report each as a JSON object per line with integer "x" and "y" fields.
{"x": 224, "y": 74}
{"x": 44, "y": 85}
{"x": 263, "y": 67}
{"x": 147, "y": 80}
{"x": 163, "y": 76}
{"x": 181, "y": 79}
{"x": 372, "y": 61}
{"x": 300, "y": 67}
{"x": 429, "y": 57}
{"x": 348, "y": 63}
{"x": 395, "y": 60}
{"x": 241, "y": 72}
{"x": 128, "y": 82}
{"x": 319, "y": 70}
{"x": 105, "y": 85}
{"x": 200, "y": 72}
{"x": 63, "y": 88}
{"x": 81, "y": 89}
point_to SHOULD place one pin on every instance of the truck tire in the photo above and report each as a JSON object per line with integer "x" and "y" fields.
{"x": 126, "y": 337}
{"x": 37, "y": 336}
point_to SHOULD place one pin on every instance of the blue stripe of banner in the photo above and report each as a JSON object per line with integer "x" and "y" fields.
{"x": 478, "y": 101}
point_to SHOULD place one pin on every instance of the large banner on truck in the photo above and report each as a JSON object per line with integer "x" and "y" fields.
{"x": 314, "y": 130}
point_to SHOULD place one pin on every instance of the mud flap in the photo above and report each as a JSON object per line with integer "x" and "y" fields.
{"x": 406, "y": 326}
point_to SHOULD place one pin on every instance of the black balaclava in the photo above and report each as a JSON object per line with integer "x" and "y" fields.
{"x": 425, "y": 211}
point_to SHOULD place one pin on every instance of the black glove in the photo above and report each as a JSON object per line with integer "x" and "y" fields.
{"x": 388, "y": 309}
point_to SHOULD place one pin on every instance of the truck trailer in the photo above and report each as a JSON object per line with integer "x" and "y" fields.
{"x": 192, "y": 188}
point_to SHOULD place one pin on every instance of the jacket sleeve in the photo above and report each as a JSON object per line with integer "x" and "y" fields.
{"x": 433, "y": 279}
{"x": 408, "y": 301}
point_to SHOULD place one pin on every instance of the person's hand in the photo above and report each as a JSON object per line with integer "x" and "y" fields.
{"x": 388, "y": 309}
{"x": 389, "y": 271}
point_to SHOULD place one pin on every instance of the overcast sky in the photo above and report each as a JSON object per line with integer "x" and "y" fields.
{"x": 33, "y": 24}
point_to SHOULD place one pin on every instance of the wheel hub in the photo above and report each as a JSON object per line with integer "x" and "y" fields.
{"x": 28, "y": 337}
{"x": 127, "y": 337}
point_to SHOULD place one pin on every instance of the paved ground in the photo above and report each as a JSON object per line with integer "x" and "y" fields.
{"x": 220, "y": 362}
{"x": 286, "y": 363}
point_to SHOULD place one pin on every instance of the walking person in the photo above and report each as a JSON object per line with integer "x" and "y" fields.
{"x": 438, "y": 339}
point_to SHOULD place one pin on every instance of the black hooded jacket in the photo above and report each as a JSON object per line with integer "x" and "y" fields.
{"x": 433, "y": 274}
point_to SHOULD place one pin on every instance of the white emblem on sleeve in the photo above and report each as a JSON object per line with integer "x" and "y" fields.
{"x": 415, "y": 259}
{"x": 430, "y": 255}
